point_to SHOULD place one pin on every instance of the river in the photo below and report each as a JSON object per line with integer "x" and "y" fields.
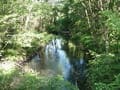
{"x": 57, "y": 62}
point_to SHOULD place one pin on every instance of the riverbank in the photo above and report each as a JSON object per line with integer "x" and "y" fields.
{"x": 15, "y": 77}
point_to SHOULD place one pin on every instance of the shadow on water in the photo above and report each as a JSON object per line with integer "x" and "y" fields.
{"x": 56, "y": 60}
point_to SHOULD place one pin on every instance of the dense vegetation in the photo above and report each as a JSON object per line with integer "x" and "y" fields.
{"x": 91, "y": 26}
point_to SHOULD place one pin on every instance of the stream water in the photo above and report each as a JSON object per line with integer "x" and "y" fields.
{"x": 57, "y": 62}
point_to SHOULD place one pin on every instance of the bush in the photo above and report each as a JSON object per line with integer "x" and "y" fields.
{"x": 14, "y": 79}
{"x": 102, "y": 72}
{"x": 32, "y": 82}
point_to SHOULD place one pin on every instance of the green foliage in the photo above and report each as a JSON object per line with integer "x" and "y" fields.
{"x": 21, "y": 26}
{"x": 93, "y": 25}
{"x": 115, "y": 85}
{"x": 102, "y": 72}
{"x": 25, "y": 39}
{"x": 89, "y": 24}
{"x": 101, "y": 86}
{"x": 6, "y": 77}
{"x": 113, "y": 20}
{"x": 16, "y": 80}
{"x": 58, "y": 83}
{"x": 42, "y": 83}
{"x": 97, "y": 66}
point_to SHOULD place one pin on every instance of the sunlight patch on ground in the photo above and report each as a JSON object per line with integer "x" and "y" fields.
{"x": 7, "y": 66}
{"x": 44, "y": 72}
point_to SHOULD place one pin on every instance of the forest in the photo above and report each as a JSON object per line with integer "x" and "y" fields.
{"x": 59, "y": 44}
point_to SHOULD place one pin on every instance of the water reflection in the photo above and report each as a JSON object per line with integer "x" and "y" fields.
{"x": 57, "y": 59}
{"x": 56, "y": 62}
